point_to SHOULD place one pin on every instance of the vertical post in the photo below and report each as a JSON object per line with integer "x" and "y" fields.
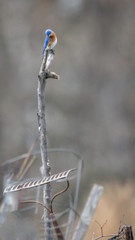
{"x": 88, "y": 212}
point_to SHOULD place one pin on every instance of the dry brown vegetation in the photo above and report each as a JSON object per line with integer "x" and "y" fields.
{"x": 116, "y": 206}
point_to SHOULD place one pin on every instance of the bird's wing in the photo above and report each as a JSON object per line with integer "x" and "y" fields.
{"x": 45, "y": 44}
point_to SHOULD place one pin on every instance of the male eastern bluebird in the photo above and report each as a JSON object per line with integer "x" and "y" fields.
{"x": 50, "y": 40}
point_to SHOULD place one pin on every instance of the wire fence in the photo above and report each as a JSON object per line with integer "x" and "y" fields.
{"x": 17, "y": 208}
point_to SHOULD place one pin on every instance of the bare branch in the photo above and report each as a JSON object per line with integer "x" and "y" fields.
{"x": 46, "y": 169}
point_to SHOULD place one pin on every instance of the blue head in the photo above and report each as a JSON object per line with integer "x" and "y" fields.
{"x": 48, "y": 32}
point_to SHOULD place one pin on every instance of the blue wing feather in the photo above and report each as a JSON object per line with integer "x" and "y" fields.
{"x": 45, "y": 45}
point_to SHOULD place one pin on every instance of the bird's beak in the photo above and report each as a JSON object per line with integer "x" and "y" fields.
{"x": 51, "y": 34}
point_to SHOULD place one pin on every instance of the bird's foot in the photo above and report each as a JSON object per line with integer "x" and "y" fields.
{"x": 51, "y": 51}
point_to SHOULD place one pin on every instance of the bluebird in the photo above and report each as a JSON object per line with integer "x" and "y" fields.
{"x": 50, "y": 41}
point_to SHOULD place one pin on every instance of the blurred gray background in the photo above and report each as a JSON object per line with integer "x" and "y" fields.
{"x": 92, "y": 108}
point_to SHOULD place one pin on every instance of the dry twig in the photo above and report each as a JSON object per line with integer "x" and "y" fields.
{"x": 26, "y": 160}
{"x": 50, "y": 211}
{"x": 46, "y": 170}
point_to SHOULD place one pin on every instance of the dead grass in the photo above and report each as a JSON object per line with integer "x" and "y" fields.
{"x": 117, "y": 206}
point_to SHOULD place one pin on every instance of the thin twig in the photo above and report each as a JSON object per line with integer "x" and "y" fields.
{"x": 37, "y": 202}
{"x": 26, "y": 160}
{"x": 101, "y": 226}
{"x": 109, "y": 235}
{"x": 50, "y": 211}
{"x": 55, "y": 223}
{"x": 27, "y": 167}
{"x": 59, "y": 193}
{"x": 57, "y": 228}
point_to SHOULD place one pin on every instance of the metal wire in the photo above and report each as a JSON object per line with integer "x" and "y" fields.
{"x": 66, "y": 217}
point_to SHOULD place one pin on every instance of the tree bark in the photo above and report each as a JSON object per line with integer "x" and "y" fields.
{"x": 45, "y": 169}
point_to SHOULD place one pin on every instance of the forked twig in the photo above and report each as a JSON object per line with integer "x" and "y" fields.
{"x": 101, "y": 226}
{"x": 124, "y": 233}
{"x": 50, "y": 210}
{"x": 102, "y": 234}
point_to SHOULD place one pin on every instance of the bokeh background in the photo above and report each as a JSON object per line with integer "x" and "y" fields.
{"x": 92, "y": 108}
